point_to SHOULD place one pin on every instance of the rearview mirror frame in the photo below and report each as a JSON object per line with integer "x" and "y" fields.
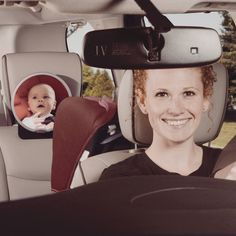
{"x": 145, "y": 48}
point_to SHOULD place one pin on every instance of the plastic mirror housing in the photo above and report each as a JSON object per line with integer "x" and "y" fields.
{"x": 145, "y": 48}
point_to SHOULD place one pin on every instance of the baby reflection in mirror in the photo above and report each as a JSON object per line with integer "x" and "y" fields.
{"x": 41, "y": 102}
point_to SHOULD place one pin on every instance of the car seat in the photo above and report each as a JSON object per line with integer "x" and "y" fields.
{"x": 78, "y": 122}
{"x": 225, "y": 165}
{"x": 136, "y": 128}
{"x": 25, "y": 165}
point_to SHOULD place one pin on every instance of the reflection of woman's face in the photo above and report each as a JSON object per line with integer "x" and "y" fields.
{"x": 41, "y": 99}
{"x": 174, "y": 102}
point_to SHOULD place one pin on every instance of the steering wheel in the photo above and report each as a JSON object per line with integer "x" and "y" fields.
{"x": 142, "y": 205}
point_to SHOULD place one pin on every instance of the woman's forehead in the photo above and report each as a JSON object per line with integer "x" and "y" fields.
{"x": 174, "y": 77}
{"x": 174, "y": 72}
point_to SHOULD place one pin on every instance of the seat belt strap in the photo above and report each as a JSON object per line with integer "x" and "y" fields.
{"x": 227, "y": 156}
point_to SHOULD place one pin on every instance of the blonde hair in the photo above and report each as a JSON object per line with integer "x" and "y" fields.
{"x": 207, "y": 74}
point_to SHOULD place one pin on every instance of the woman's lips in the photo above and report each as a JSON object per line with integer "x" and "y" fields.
{"x": 176, "y": 122}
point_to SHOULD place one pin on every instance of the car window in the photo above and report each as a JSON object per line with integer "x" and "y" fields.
{"x": 97, "y": 82}
{"x": 224, "y": 25}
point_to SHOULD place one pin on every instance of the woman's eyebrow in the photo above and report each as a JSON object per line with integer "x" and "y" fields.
{"x": 186, "y": 88}
{"x": 161, "y": 89}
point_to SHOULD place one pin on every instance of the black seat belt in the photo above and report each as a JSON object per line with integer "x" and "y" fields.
{"x": 227, "y": 156}
{"x": 158, "y": 20}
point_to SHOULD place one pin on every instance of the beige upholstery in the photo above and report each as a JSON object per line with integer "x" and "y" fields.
{"x": 25, "y": 165}
{"x": 93, "y": 167}
{"x": 136, "y": 128}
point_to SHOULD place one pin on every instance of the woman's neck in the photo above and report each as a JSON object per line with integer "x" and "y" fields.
{"x": 182, "y": 158}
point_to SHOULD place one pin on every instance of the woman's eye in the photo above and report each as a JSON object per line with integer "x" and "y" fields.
{"x": 161, "y": 94}
{"x": 189, "y": 93}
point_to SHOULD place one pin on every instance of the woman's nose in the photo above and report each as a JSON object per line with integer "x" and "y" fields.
{"x": 176, "y": 106}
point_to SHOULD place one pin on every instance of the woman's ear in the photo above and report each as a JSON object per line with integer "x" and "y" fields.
{"x": 206, "y": 104}
{"x": 141, "y": 101}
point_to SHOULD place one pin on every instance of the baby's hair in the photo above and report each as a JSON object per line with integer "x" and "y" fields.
{"x": 36, "y": 85}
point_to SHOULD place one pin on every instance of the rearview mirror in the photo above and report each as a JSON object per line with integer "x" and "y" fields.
{"x": 133, "y": 48}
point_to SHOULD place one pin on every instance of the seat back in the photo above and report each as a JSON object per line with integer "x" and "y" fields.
{"x": 26, "y": 164}
{"x": 225, "y": 165}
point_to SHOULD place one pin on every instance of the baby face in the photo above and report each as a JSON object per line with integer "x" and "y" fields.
{"x": 41, "y": 99}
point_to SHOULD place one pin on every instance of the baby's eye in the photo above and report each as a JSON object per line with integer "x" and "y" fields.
{"x": 45, "y": 97}
{"x": 189, "y": 93}
{"x": 34, "y": 97}
{"x": 161, "y": 94}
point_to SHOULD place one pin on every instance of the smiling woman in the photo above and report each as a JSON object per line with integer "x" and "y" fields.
{"x": 174, "y": 108}
{"x": 174, "y": 100}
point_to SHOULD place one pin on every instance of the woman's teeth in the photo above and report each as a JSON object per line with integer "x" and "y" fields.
{"x": 176, "y": 122}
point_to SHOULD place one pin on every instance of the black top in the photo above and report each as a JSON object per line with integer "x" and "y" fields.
{"x": 141, "y": 164}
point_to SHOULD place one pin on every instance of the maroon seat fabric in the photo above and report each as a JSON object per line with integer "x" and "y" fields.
{"x": 77, "y": 120}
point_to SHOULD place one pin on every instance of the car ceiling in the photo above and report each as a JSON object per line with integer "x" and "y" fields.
{"x": 38, "y": 12}
{"x": 130, "y": 7}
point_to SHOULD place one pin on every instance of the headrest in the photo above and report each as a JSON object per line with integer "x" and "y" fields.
{"x": 18, "y": 66}
{"x": 135, "y": 125}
